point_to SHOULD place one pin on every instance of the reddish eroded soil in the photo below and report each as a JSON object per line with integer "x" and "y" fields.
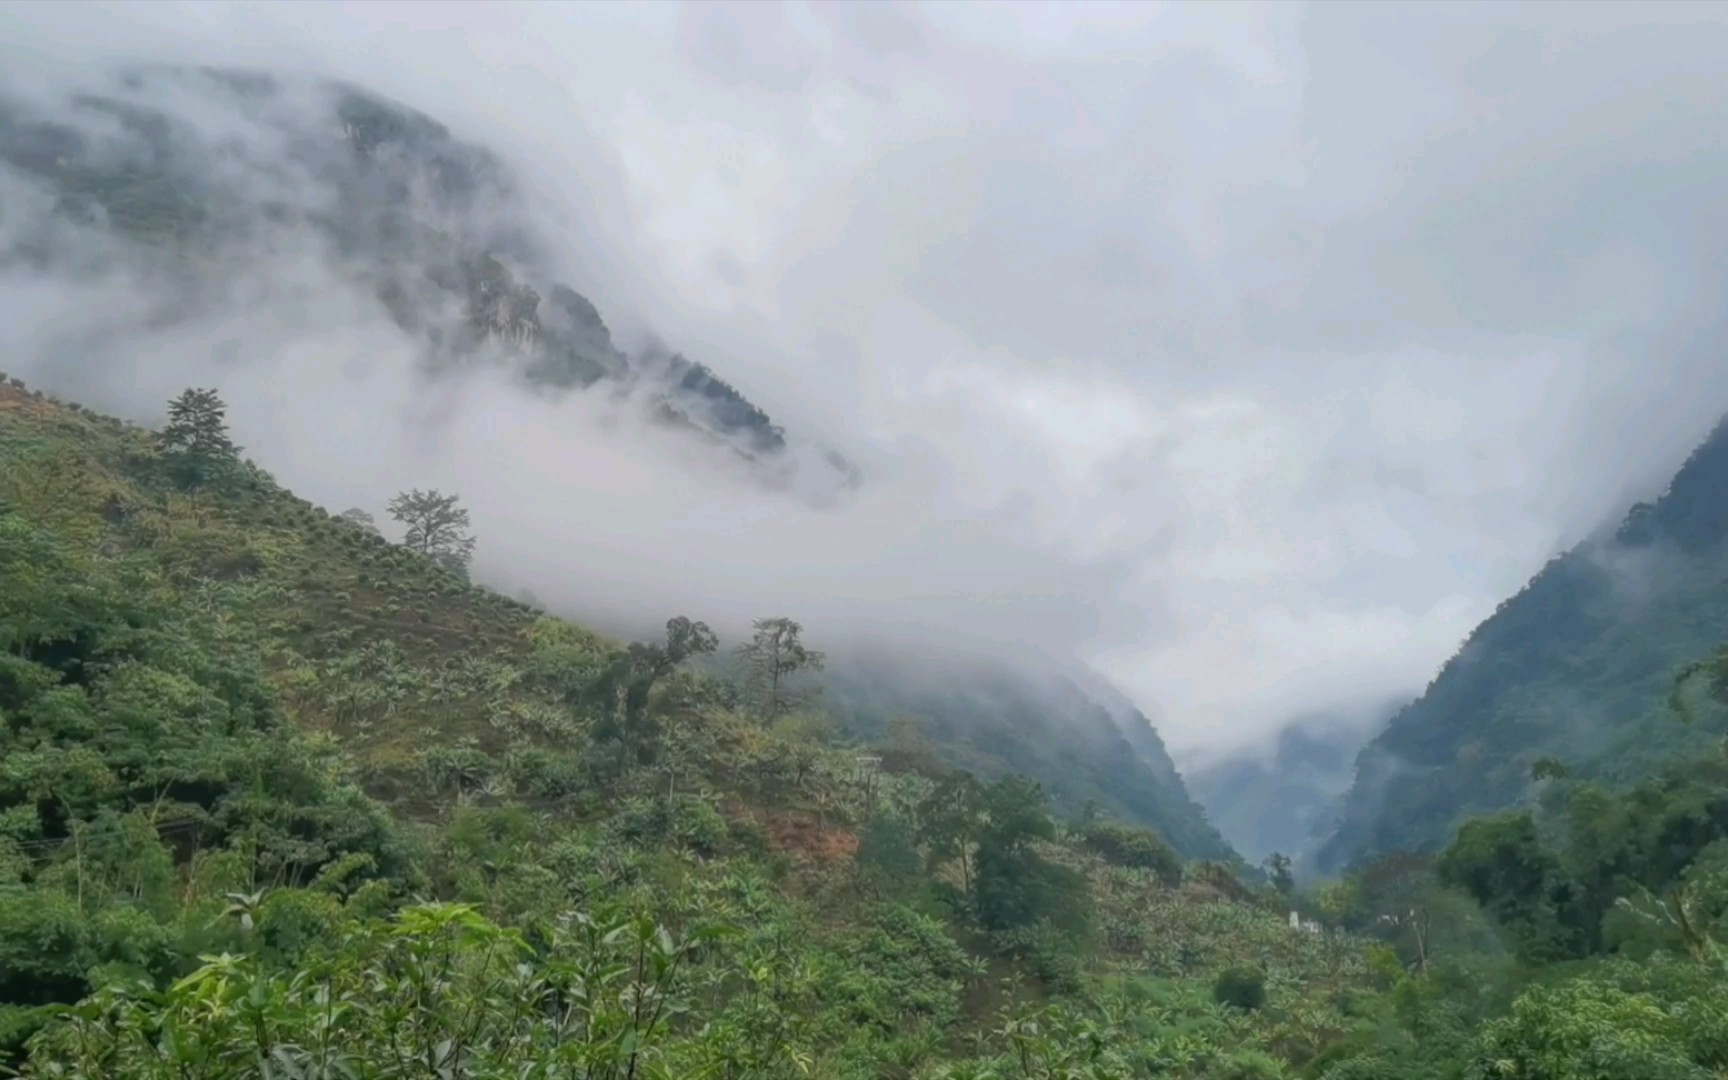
{"x": 803, "y": 834}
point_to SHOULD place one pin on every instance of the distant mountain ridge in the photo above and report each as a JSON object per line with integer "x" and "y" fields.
{"x": 1285, "y": 802}
{"x": 1083, "y": 740}
{"x": 1577, "y": 666}
{"x": 194, "y": 173}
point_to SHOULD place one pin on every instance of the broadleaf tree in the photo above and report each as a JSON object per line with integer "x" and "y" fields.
{"x": 774, "y": 653}
{"x": 624, "y": 686}
{"x": 436, "y": 525}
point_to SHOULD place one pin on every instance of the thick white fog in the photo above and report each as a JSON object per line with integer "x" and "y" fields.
{"x": 1250, "y": 353}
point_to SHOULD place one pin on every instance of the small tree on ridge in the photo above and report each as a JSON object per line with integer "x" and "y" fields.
{"x": 773, "y": 655}
{"x": 436, "y": 526}
{"x": 195, "y": 442}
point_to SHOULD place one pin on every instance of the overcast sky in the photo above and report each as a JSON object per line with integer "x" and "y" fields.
{"x": 1254, "y": 353}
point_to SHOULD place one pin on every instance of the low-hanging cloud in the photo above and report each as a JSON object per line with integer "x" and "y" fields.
{"x": 1251, "y": 353}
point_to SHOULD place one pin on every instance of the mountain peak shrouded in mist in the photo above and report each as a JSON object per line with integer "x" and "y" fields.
{"x": 197, "y": 173}
{"x": 241, "y": 197}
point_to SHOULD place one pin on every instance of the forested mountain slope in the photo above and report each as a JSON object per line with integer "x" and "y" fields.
{"x": 252, "y": 748}
{"x": 1086, "y": 743}
{"x": 1576, "y": 667}
{"x": 279, "y": 797}
{"x": 284, "y": 796}
{"x": 360, "y": 632}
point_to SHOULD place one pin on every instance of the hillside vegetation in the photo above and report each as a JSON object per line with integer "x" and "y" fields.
{"x": 253, "y": 748}
{"x": 280, "y": 798}
{"x": 1576, "y": 667}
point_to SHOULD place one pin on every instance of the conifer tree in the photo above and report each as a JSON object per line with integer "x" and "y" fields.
{"x": 195, "y": 442}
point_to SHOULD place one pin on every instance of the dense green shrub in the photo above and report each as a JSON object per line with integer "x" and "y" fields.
{"x": 685, "y": 820}
{"x": 1240, "y": 987}
{"x": 538, "y": 773}
{"x": 1130, "y": 845}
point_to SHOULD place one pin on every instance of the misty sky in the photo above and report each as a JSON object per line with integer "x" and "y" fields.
{"x": 1253, "y": 353}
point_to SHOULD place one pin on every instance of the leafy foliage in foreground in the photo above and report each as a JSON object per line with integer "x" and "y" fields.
{"x": 257, "y": 822}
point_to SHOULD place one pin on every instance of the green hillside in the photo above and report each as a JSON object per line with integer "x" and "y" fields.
{"x": 238, "y": 727}
{"x": 1577, "y": 667}
{"x": 427, "y": 234}
{"x": 279, "y": 798}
